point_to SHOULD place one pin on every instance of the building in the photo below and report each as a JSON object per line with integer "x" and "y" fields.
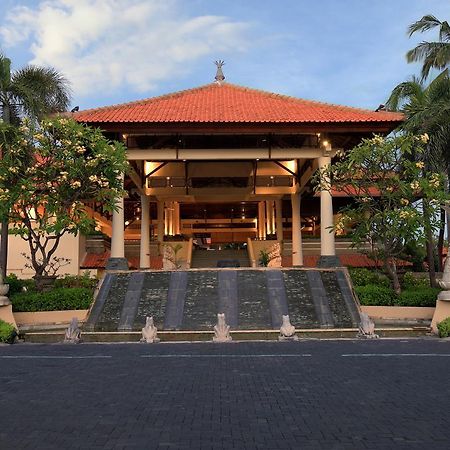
{"x": 223, "y": 164}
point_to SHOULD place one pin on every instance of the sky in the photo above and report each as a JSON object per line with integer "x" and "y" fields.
{"x": 349, "y": 52}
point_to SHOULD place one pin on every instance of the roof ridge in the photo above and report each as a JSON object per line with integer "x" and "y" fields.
{"x": 299, "y": 99}
{"x": 144, "y": 100}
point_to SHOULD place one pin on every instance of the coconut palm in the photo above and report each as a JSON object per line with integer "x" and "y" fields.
{"x": 31, "y": 92}
{"x": 434, "y": 55}
{"x": 427, "y": 108}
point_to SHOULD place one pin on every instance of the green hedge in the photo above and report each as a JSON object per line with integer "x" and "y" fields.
{"x": 7, "y": 332}
{"x": 419, "y": 296}
{"x": 364, "y": 277}
{"x": 374, "y": 295}
{"x": 444, "y": 328}
{"x": 59, "y": 299}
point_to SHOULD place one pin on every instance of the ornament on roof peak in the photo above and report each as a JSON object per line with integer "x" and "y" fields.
{"x": 219, "y": 74}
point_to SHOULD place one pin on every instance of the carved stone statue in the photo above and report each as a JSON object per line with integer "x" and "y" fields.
{"x": 444, "y": 283}
{"x": 73, "y": 333}
{"x": 287, "y": 330}
{"x": 221, "y": 330}
{"x": 274, "y": 255}
{"x": 149, "y": 332}
{"x": 4, "y": 289}
{"x": 367, "y": 327}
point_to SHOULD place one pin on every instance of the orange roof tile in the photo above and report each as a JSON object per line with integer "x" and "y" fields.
{"x": 229, "y": 103}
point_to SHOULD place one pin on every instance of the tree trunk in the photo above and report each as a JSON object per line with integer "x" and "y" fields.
{"x": 429, "y": 245}
{"x": 391, "y": 269}
{"x": 441, "y": 240}
{"x": 6, "y": 116}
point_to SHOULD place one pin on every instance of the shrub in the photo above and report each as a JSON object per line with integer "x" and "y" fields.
{"x": 375, "y": 295}
{"x": 364, "y": 277}
{"x": 16, "y": 285}
{"x": 7, "y": 332}
{"x": 444, "y": 328}
{"x": 55, "y": 300}
{"x": 418, "y": 296}
{"x": 410, "y": 281}
{"x": 76, "y": 281}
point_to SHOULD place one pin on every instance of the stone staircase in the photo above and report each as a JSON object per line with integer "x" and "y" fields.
{"x": 202, "y": 258}
{"x": 252, "y": 299}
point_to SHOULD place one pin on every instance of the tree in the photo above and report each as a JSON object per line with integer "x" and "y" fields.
{"x": 434, "y": 55}
{"x": 390, "y": 190}
{"x": 31, "y": 92}
{"x": 47, "y": 174}
{"x": 427, "y": 108}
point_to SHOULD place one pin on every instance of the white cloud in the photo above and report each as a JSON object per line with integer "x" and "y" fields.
{"x": 108, "y": 44}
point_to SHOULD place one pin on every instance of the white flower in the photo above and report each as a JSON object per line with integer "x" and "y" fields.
{"x": 76, "y": 184}
{"x": 425, "y": 138}
{"x": 415, "y": 185}
{"x": 420, "y": 164}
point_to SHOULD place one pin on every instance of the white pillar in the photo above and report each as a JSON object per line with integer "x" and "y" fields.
{"x": 144, "y": 260}
{"x": 118, "y": 230}
{"x": 269, "y": 216}
{"x": 160, "y": 221}
{"x": 297, "y": 251}
{"x": 279, "y": 219}
{"x": 176, "y": 218}
{"x": 166, "y": 218}
{"x": 261, "y": 220}
{"x": 327, "y": 244}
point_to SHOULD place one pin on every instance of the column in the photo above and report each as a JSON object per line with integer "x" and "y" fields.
{"x": 144, "y": 261}
{"x": 269, "y": 217}
{"x": 297, "y": 251}
{"x": 160, "y": 212}
{"x": 261, "y": 220}
{"x": 176, "y": 218}
{"x": 327, "y": 245}
{"x": 166, "y": 218}
{"x": 117, "y": 261}
{"x": 279, "y": 219}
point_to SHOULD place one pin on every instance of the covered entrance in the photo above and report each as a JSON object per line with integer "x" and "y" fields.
{"x": 224, "y": 165}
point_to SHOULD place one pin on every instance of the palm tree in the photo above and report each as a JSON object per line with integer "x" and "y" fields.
{"x": 28, "y": 92}
{"x": 434, "y": 55}
{"x": 427, "y": 108}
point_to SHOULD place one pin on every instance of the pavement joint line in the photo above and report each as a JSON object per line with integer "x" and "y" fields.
{"x": 53, "y": 357}
{"x": 286, "y": 355}
{"x": 387, "y": 355}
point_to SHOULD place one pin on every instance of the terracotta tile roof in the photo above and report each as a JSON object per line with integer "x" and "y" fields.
{"x": 99, "y": 260}
{"x": 349, "y": 260}
{"x": 214, "y": 103}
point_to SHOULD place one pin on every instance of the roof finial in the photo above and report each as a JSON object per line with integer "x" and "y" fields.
{"x": 219, "y": 74}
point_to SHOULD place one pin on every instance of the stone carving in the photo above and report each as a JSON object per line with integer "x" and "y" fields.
{"x": 274, "y": 255}
{"x": 287, "y": 330}
{"x": 4, "y": 289}
{"x": 73, "y": 333}
{"x": 367, "y": 327}
{"x": 221, "y": 330}
{"x": 170, "y": 258}
{"x": 444, "y": 283}
{"x": 149, "y": 332}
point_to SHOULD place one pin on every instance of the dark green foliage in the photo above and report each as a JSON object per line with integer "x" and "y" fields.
{"x": 264, "y": 258}
{"x": 374, "y": 295}
{"x": 55, "y": 300}
{"x": 7, "y": 332}
{"x": 363, "y": 277}
{"x": 77, "y": 281}
{"x": 418, "y": 296}
{"x": 410, "y": 281}
{"x": 16, "y": 285}
{"x": 444, "y": 328}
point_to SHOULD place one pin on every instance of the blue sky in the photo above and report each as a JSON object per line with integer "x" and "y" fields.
{"x": 349, "y": 52}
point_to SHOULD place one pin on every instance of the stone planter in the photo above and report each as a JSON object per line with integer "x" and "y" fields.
{"x": 45, "y": 282}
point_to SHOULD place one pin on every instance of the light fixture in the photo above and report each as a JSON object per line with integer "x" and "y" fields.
{"x": 127, "y": 222}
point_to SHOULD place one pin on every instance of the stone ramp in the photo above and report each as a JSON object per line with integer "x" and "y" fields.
{"x": 252, "y": 299}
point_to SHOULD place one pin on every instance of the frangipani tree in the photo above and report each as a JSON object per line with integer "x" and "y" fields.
{"x": 391, "y": 190}
{"x": 47, "y": 174}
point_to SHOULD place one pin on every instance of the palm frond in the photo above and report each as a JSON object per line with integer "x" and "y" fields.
{"x": 433, "y": 54}
{"x": 427, "y": 22}
{"x": 404, "y": 92}
{"x": 41, "y": 90}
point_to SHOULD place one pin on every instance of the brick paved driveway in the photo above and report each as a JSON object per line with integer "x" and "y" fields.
{"x": 304, "y": 395}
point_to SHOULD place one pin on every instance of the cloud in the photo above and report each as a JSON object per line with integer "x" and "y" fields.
{"x": 106, "y": 45}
